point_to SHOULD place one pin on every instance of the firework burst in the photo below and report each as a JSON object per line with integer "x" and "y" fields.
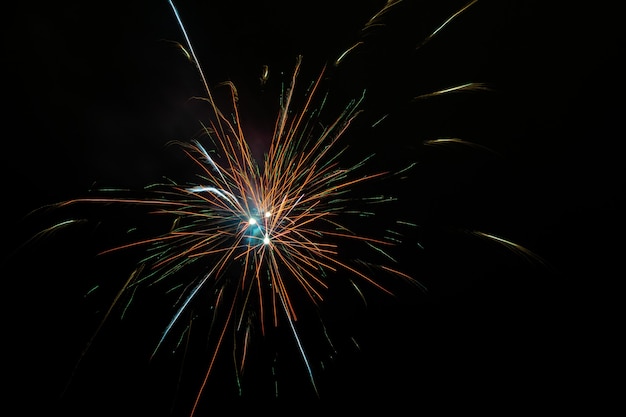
{"x": 249, "y": 242}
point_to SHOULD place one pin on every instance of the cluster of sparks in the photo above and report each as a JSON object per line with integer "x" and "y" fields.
{"x": 263, "y": 232}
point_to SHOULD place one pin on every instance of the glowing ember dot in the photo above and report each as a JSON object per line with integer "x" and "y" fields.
{"x": 268, "y": 214}
{"x": 252, "y": 221}
{"x": 266, "y": 240}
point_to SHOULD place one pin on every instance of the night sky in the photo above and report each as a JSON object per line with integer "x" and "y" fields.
{"x": 96, "y": 91}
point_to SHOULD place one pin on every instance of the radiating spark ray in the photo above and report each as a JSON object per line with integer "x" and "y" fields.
{"x": 300, "y": 348}
{"x": 515, "y": 247}
{"x": 457, "y": 141}
{"x": 195, "y": 59}
{"x": 180, "y": 311}
{"x": 455, "y": 89}
{"x": 445, "y": 23}
{"x": 212, "y": 361}
{"x": 385, "y": 9}
{"x": 346, "y": 52}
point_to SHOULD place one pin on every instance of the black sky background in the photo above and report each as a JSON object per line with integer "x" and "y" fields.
{"x": 94, "y": 91}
